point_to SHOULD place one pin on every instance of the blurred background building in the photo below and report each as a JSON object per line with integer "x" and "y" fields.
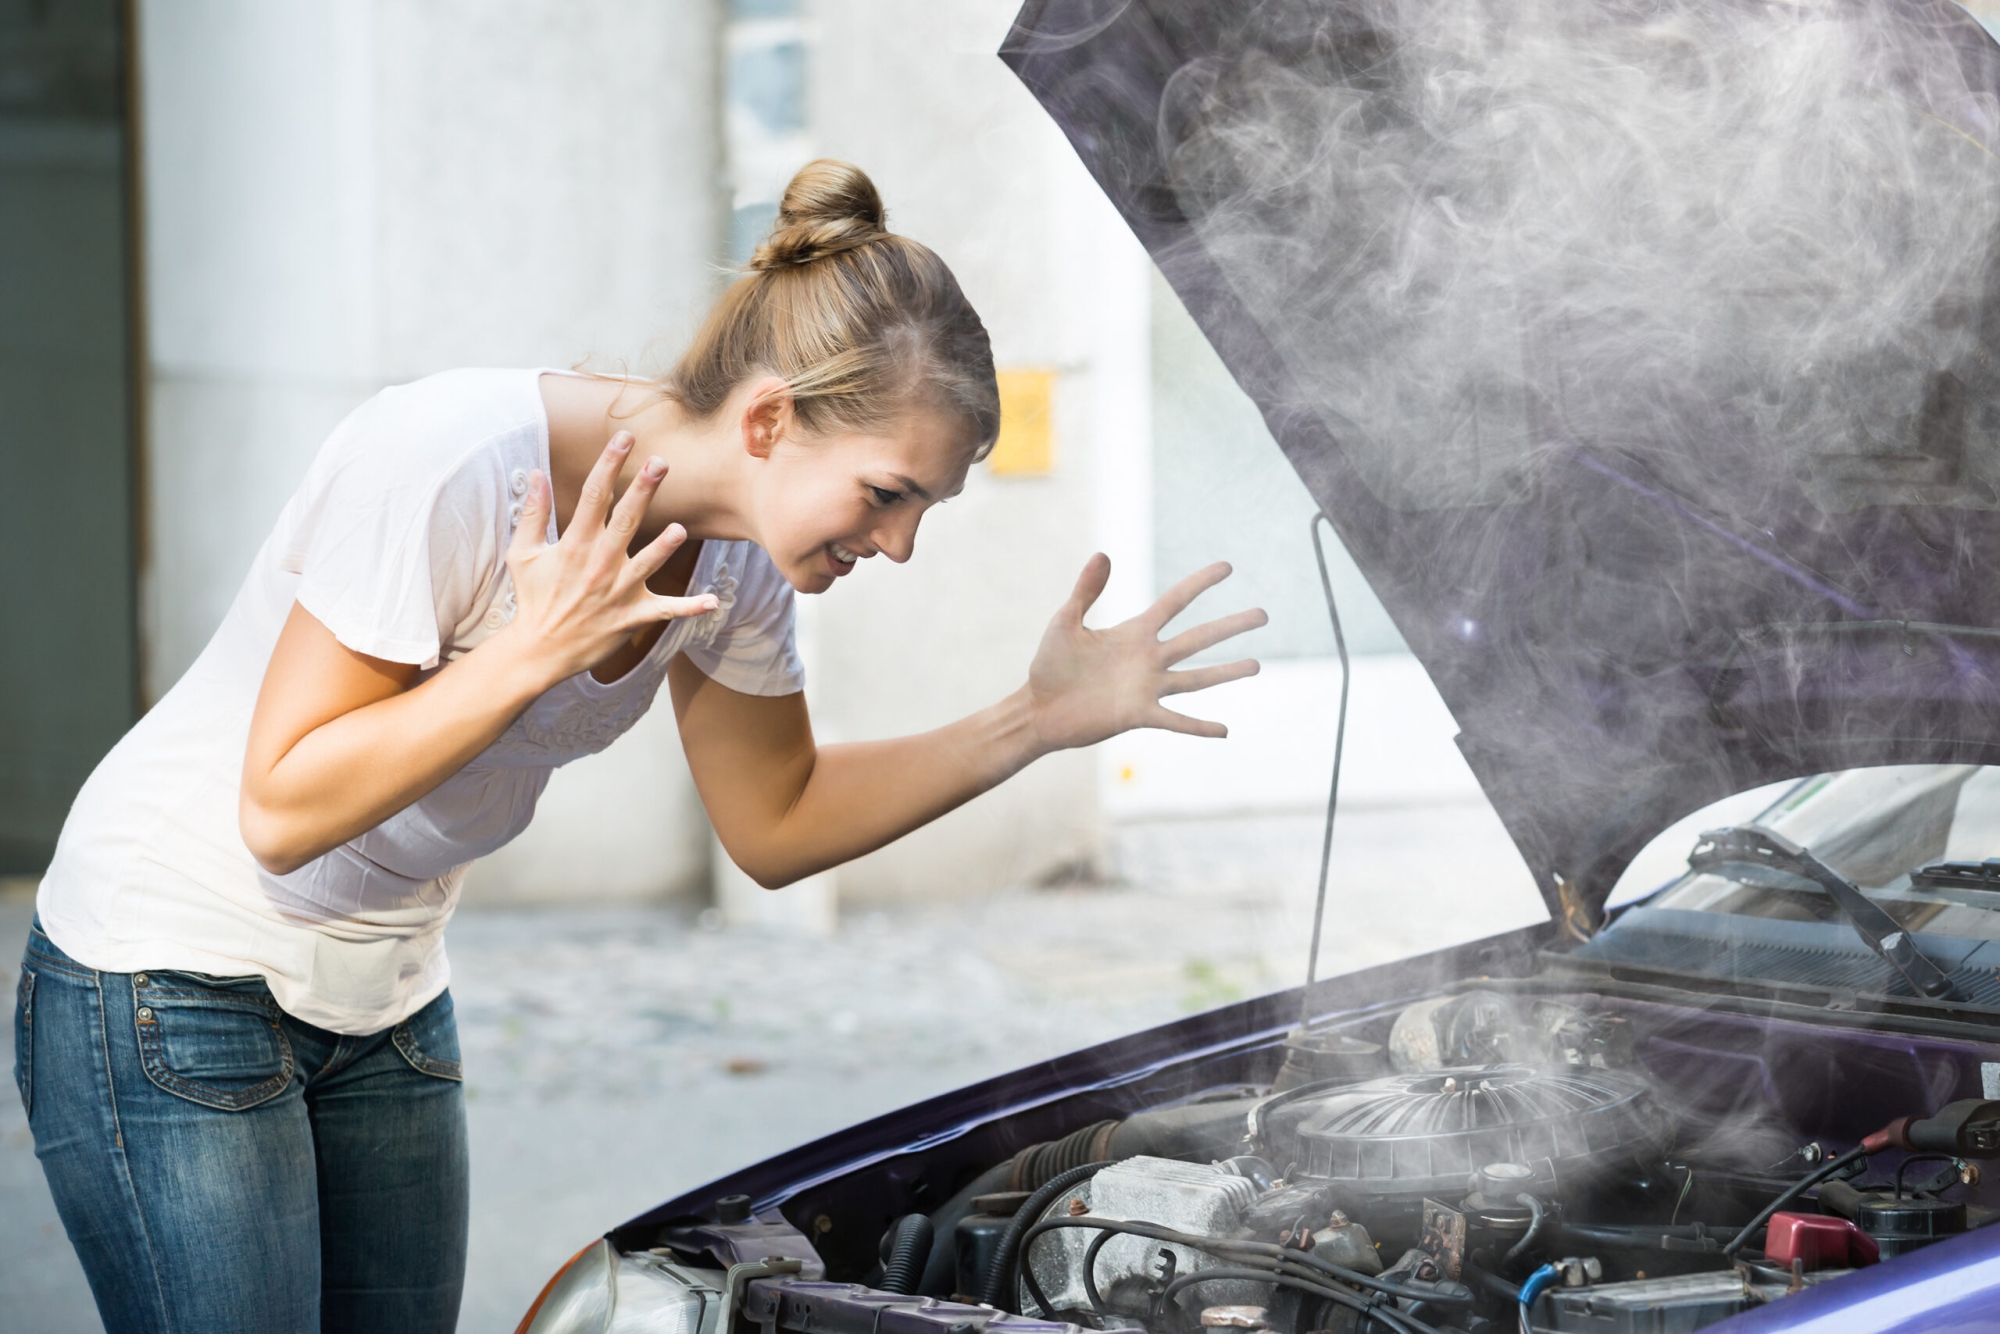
{"x": 230, "y": 221}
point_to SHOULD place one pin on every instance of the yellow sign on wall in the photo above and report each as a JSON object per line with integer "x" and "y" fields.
{"x": 1026, "y": 447}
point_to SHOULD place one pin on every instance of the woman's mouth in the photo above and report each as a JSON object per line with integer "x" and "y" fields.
{"x": 839, "y": 559}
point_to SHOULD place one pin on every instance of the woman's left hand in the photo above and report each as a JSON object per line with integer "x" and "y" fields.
{"x": 1086, "y": 685}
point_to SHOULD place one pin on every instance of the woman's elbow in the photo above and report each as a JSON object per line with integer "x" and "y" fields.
{"x": 767, "y": 869}
{"x": 266, "y": 834}
{"x": 773, "y": 876}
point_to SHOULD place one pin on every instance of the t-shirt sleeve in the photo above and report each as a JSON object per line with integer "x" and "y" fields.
{"x": 756, "y": 650}
{"x": 364, "y": 551}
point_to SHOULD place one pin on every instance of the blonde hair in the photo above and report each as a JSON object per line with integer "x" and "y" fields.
{"x": 860, "y": 323}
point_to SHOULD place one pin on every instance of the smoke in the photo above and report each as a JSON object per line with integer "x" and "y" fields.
{"x": 1484, "y": 234}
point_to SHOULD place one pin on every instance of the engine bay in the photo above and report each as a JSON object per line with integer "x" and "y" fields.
{"x": 1491, "y": 1163}
{"x": 1486, "y": 1159}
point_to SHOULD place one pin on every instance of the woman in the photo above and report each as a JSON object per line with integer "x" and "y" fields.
{"x": 234, "y": 1038}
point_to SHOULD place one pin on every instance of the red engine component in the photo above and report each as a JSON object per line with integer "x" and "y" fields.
{"x": 1818, "y": 1242}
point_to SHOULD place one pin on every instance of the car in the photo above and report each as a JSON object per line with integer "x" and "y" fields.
{"x": 1646, "y": 359}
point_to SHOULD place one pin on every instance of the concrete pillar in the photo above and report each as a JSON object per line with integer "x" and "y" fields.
{"x": 345, "y": 194}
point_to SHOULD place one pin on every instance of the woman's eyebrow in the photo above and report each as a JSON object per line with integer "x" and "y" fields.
{"x": 911, "y": 486}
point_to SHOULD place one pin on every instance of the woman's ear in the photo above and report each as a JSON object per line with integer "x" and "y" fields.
{"x": 767, "y": 417}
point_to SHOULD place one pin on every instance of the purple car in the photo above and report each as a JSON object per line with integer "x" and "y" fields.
{"x": 1645, "y": 355}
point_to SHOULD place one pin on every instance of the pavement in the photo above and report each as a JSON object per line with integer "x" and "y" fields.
{"x": 616, "y": 1057}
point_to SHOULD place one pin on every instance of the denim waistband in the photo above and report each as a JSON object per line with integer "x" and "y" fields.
{"x": 45, "y": 953}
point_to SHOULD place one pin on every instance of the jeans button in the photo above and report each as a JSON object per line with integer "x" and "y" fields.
{"x": 145, "y": 1012}
{"x": 138, "y": 979}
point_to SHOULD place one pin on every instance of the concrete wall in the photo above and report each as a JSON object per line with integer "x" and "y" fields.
{"x": 344, "y": 195}
{"x": 968, "y": 164}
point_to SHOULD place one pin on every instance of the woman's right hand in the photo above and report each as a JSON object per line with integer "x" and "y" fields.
{"x": 580, "y": 598}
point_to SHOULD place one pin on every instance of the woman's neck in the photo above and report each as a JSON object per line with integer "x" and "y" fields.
{"x": 702, "y": 481}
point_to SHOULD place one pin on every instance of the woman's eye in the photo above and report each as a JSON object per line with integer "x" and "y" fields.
{"x": 885, "y": 497}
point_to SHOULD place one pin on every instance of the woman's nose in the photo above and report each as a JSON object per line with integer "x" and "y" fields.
{"x": 897, "y": 539}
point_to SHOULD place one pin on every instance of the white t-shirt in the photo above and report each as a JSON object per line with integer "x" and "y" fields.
{"x": 395, "y": 542}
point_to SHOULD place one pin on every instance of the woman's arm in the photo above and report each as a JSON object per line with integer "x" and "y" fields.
{"x": 340, "y": 742}
{"x": 785, "y": 808}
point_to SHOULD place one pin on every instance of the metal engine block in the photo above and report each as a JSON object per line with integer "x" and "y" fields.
{"x": 1187, "y": 1197}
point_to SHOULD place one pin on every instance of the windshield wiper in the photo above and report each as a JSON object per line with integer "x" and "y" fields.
{"x": 1753, "y": 845}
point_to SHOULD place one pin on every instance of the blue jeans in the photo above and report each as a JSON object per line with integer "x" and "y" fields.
{"x": 221, "y": 1166}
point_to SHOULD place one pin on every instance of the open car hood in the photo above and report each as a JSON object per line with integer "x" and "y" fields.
{"x": 1645, "y": 355}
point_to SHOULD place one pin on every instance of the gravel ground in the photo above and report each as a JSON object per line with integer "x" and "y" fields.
{"x": 616, "y": 1057}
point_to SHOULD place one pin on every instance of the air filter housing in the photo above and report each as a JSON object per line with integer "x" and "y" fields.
{"x": 1413, "y": 1135}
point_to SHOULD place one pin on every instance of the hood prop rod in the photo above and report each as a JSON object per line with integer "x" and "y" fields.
{"x": 1754, "y": 845}
{"x": 1333, "y": 788}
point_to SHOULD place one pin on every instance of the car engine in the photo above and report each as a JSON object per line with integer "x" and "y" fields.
{"x": 1525, "y": 1174}
{"x": 1481, "y": 1161}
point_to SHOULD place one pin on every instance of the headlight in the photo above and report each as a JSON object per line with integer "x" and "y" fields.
{"x": 602, "y": 1292}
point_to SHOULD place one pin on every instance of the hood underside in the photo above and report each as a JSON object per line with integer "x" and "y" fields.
{"x": 1643, "y": 354}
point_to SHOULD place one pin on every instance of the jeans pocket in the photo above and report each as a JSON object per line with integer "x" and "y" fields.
{"x": 428, "y": 1039}
{"x": 24, "y": 1040}
{"x": 214, "y": 1041}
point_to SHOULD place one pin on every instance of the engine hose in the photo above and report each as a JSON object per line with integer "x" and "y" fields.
{"x": 1031, "y": 1209}
{"x": 1493, "y": 1283}
{"x": 1643, "y": 1236}
{"x": 1536, "y": 1217}
{"x": 1039, "y": 1164}
{"x": 1792, "y": 1192}
{"x": 909, "y": 1250}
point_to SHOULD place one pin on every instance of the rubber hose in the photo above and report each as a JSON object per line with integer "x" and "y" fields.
{"x": 909, "y": 1250}
{"x": 1038, "y": 1164}
{"x": 1537, "y": 1216}
{"x": 1025, "y": 1217}
{"x": 1493, "y": 1283}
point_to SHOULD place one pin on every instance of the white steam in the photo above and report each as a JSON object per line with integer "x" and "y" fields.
{"x": 1484, "y": 234}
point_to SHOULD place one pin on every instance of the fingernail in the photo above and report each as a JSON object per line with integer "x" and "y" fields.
{"x": 621, "y": 442}
{"x": 656, "y": 467}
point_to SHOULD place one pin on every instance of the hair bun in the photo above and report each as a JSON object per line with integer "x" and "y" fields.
{"x": 829, "y": 207}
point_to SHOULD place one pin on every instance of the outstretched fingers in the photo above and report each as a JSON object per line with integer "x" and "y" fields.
{"x": 663, "y": 608}
{"x": 1190, "y": 642}
{"x": 1176, "y": 599}
{"x": 593, "y": 503}
{"x": 1167, "y": 720}
{"x": 1089, "y": 586}
{"x": 631, "y": 508}
{"x": 648, "y": 560}
{"x": 1201, "y": 678}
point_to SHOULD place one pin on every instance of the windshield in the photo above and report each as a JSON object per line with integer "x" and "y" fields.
{"x": 1914, "y": 839}
{"x": 1876, "y": 827}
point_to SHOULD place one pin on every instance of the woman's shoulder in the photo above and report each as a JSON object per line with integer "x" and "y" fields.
{"x": 456, "y": 408}
{"x": 452, "y": 449}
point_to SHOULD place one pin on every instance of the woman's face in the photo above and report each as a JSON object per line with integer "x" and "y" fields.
{"x": 822, "y": 504}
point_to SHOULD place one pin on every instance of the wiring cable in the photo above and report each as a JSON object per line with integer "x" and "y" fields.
{"x": 1090, "y": 1271}
{"x": 1831, "y": 1167}
{"x": 1532, "y": 1287}
{"x": 1011, "y": 1243}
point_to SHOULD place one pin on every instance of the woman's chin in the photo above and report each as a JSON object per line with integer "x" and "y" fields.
{"x": 809, "y": 580}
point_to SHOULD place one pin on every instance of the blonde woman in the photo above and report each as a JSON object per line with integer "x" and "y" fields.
{"x": 235, "y": 1040}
